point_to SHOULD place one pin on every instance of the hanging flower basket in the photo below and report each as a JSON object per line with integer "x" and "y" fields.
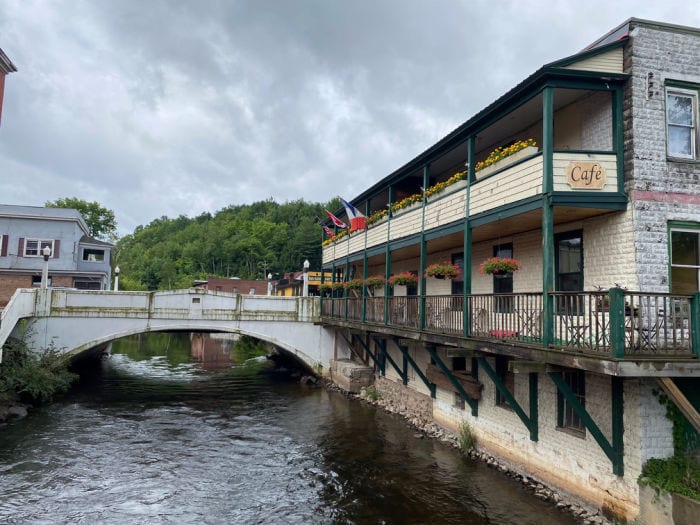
{"x": 404, "y": 279}
{"x": 325, "y": 289}
{"x": 375, "y": 281}
{"x": 443, "y": 270}
{"x": 338, "y": 285}
{"x": 499, "y": 266}
{"x": 354, "y": 284}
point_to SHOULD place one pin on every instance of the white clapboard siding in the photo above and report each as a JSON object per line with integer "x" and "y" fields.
{"x": 406, "y": 224}
{"x": 608, "y": 62}
{"x": 562, "y": 160}
{"x": 519, "y": 182}
{"x": 376, "y": 234}
{"x": 445, "y": 209}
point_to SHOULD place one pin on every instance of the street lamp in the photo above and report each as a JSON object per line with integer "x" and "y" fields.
{"x": 116, "y": 279}
{"x": 45, "y": 271}
{"x": 269, "y": 284}
{"x": 306, "y": 277}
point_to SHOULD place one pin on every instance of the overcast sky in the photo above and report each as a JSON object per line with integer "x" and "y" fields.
{"x": 156, "y": 107}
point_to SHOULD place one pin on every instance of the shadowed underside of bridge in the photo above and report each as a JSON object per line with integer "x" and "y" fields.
{"x": 77, "y": 321}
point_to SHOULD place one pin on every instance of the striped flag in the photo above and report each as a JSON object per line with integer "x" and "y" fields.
{"x": 328, "y": 231}
{"x": 353, "y": 213}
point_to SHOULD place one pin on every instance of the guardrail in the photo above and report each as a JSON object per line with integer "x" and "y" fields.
{"x": 615, "y": 323}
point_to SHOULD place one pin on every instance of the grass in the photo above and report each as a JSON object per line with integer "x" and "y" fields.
{"x": 467, "y": 439}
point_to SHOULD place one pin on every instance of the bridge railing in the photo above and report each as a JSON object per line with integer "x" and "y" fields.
{"x": 20, "y": 306}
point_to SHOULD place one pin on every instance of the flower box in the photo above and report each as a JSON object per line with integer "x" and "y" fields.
{"x": 507, "y": 161}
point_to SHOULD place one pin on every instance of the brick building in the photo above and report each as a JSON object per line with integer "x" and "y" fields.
{"x": 234, "y": 285}
{"x": 77, "y": 260}
{"x": 586, "y": 173}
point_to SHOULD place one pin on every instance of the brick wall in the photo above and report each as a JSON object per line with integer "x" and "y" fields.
{"x": 9, "y": 283}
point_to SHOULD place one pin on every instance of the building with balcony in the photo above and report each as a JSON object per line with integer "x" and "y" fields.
{"x": 76, "y": 259}
{"x": 586, "y": 173}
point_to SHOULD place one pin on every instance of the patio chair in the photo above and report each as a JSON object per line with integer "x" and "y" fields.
{"x": 653, "y": 328}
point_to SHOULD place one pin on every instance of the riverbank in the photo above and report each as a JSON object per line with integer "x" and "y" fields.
{"x": 586, "y": 515}
{"x": 10, "y": 411}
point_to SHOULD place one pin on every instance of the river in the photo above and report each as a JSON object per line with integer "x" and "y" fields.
{"x": 167, "y": 431}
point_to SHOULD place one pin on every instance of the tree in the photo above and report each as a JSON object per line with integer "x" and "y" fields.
{"x": 100, "y": 220}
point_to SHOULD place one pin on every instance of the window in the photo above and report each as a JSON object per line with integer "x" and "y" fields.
{"x": 36, "y": 280}
{"x": 568, "y": 262}
{"x": 681, "y": 122}
{"x": 459, "y": 363}
{"x": 34, "y": 247}
{"x": 92, "y": 255}
{"x": 87, "y": 285}
{"x": 508, "y": 379}
{"x": 503, "y": 283}
{"x": 566, "y": 417}
{"x": 685, "y": 260}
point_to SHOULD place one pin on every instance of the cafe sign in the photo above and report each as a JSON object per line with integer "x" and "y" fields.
{"x": 585, "y": 176}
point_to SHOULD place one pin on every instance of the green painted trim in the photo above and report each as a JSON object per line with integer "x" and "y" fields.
{"x": 588, "y": 54}
{"x": 534, "y": 405}
{"x": 382, "y": 345}
{"x": 448, "y": 373}
{"x": 471, "y": 164}
{"x": 423, "y": 252}
{"x": 501, "y": 387}
{"x": 581, "y": 412}
{"x": 585, "y": 80}
{"x": 671, "y": 225}
{"x": 547, "y": 139}
{"x": 619, "y": 137}
{"x": 505, "y": 211}
{"x": 695, "y": 324}
{"x": 617, "y": 322}
{"x": 590, "y": 199}
{"x": 547, "y": 273}
{"x": 586, "y": 151}
{"x": 365, "y": 269}
{"x": 404, "y": 351}
{"x": 355, "y": 337}
{"x": 618, "y": 407}
{"x": 467, "y": 279}
{"x": 692, "y": 86}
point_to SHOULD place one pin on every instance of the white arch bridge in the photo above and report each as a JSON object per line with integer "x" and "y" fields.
{"x": 74, "y": 321}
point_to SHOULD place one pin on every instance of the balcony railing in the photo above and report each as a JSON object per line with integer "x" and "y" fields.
{"x": 616, "y": 324}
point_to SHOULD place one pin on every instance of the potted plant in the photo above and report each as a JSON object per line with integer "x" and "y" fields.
{"x": 443, "y": 270}
{"x": 499, "y": 266}
{"x": 325, "y": 289}
{"x": 404, "y": 279}
{"x": 375, "y": 281}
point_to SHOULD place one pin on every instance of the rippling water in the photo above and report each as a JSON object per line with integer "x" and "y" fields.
{"x": 164, "y": 439}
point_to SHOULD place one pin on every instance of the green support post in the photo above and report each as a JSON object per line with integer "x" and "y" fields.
{"x": 387, "y": 357}
{"x": 365, "y": 269}
{"x": 547, "y": 216}
{"x": 467, "y": 249}
{"x": 387, "y": 257}
{"x": 695, "y": 324}
{"x": 475, "y": 376}
{"x": 533, "y": 379}
{"x": 375, "y": 358}
{"x": 617, "y": 388}
{"x": 618, "y": 137}
{"x": 423, "y": 248}
{"x": 617, "y": 322}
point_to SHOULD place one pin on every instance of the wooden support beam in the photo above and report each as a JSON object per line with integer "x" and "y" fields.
{"x": 402, "y": 373}
{"x": 459, "y": 352}
{"x": 530, "y": 423}
{"x": 473, "y": 403}
{"x": 409, "y": 359}
{"x": 369, "y": 353}
{"x": 471, "y": 386}
{"x": 674, "y": 393}
{"x": 352, "y": 348}
{"x": 615, "y": 456}
{"x": 527, "y": 367}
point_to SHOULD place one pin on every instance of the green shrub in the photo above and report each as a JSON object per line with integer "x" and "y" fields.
{"x": 677, "y": 474}
{"x": 372, "y": 393}
{"x": 32, "y": 376}
{"x": 467, "y": 439}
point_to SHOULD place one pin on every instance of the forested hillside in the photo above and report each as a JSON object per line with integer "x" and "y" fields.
{"x": 240, "y": 241}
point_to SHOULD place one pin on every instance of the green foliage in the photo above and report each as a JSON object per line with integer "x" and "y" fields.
{"x": 372, "y": 393}
{"x": 100, "y": 220}
{"x": 685, "y": 437}
{"x": 245, "y": 241}
{"x": 467, "y": 439}
{"x": 677, "y": 474}
{"x": 32, "y": 376}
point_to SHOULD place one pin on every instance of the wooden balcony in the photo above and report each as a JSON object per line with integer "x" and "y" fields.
{"x": 618, "y": 325}
{"x": 518, "y": 182}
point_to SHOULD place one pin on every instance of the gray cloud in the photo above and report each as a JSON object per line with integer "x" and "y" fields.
{"x": 179, "y": 107}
